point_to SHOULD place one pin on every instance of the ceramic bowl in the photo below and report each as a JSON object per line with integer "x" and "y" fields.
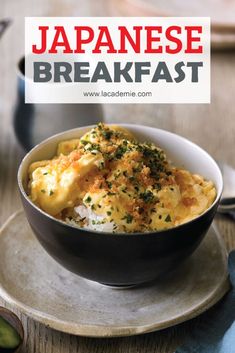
{"x": 122, "y": 259}
{"x": 30, "y": 121}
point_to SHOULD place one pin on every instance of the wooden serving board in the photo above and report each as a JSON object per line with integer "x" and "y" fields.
{"x": 31, "y": 281}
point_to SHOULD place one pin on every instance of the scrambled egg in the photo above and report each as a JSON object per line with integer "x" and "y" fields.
{"x": 123, "y": 182}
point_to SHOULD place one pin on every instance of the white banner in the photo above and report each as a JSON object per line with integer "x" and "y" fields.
{"x": 117, "y": 59}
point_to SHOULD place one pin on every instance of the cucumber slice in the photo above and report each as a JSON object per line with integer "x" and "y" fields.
{"x": 9, "y": 337}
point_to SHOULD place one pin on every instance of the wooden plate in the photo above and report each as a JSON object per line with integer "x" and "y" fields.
{"x": 34, "y": 283}
{"x": 221, "y": 13}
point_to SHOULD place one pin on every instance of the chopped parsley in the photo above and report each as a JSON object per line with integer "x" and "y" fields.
{"x": 43, "y": 191}
{"x": 111, "y": 193}
{"x": 157, "y": 186}
{"x": 120, "y": 151}
{"x": 107, "y": 134}
{"x": 132, "y": 178}
{"x": 168, "y": 218}
{"x": 117, "y": 175}
{"x": 109, "y": 184}
{"x": 51, "y": 192}
{"x": 128, "y": 217}
{"x": 137, "y": 169}
{"x": 97, "y": 222}
{"x": 147, "y": 196}
{"x": 92, "y": 147}
{"x": 101, "y": 165}
{"x": 88, "y": 199}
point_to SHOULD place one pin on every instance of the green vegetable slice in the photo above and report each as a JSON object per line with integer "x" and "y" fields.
{"x": 9, "y": 337}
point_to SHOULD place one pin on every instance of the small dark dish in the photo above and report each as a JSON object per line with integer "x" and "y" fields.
{"x": 15, "y": 322}
{"x": 123, "y": 259}
{"x": 33, "y": 123}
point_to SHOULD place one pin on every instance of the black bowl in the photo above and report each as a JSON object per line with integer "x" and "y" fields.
{"x": 122, "y": 259}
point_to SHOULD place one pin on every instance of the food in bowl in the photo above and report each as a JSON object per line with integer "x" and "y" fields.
{"x": 109, "y": 181}
{"x": 121, "y": 259}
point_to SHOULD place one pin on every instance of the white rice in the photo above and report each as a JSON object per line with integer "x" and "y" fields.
{"x": 93, "y": 221}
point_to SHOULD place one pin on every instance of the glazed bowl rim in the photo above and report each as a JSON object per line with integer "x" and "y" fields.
{"x": 85, "y": 230}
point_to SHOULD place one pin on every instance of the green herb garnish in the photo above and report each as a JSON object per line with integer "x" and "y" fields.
{"x": 120, "y": 151}
{"x": 168, "y": 218}
{"x": 107, "y": 134}
{"x": 88, "y": 199}
{"x": 128, "y": 217}
{"x": 109, "y": 184}
{"x": 147, "y": 196}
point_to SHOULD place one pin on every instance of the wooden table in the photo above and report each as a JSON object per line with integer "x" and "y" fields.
{"x": 211, "y": 126}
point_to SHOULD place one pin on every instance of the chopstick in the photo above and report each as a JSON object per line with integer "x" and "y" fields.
{"x": 3, "y": 26}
